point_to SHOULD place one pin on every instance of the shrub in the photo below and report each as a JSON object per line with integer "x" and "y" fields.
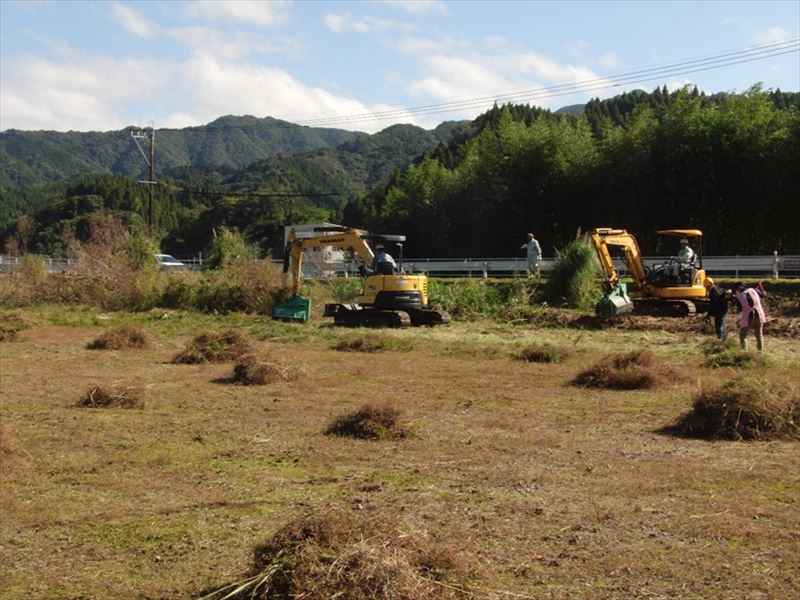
{"x": 227, "y": 246}
{"x": 336, "y": 553}
{"x": 109, "y": 397}
{"x": 214, "y": 347}
{"x": 370, "y": 422}
{"x": 743, "y": 409}
{"x": 632, "y": 370}
{"x": 124, "y": 337}
{"x": 573, "y": 279}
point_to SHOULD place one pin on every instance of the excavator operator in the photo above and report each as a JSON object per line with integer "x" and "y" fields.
{"x": 384, "y": 263}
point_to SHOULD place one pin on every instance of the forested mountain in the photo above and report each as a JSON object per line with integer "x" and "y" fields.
{"x": 726, "y": 164}
{"x": 30, "y": 157}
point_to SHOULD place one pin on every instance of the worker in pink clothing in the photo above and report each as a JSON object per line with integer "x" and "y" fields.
{"x": 753, "y": 316}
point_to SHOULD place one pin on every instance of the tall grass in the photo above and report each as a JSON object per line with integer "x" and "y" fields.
{"x": 573, "y": 280}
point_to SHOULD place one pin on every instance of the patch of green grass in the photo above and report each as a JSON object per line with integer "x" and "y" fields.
{"x": 727, "y": 354}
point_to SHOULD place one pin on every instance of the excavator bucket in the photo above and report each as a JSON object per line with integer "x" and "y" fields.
{"x": 615, "y": 302}
{"x": 295, "y": 308}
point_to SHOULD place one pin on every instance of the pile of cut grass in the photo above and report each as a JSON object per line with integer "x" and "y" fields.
{"x": 214, "y": 347}
{"x": 250, "y": 370}
{"x": 337, "y": 553}
{"x": 124, "y": 337}
{"x": 371, "y": 343}
{"x": 6, "y": 447}
{"x": 726, "y": 353}
{"x": 573, "y": 278}
{"x": 11, "y": 323}
{"x": 744, "y": 408}
{"x": 370, "y": 422}
{"x": 543, "y": 354}
{"x": 633, "y": 370}
{"x": 99, "y": 396}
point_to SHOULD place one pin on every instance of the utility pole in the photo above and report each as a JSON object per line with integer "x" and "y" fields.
{"x": 151, "y": 161}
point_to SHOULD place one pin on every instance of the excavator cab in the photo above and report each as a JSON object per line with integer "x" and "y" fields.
{"x": 681, "y": 269}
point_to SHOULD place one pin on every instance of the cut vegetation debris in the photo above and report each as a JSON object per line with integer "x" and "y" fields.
{"x": 543, "y": 354}
{"x": 214, "y": 347}
{"x": 372, "y": 343}
{"x": 370, "y": 422}
{"x": 124, "y": 337}
{"x": 743, "y": 409}
{"x": 10, "y": 325}
{"x": 5, "y": 440}
{"x": 337, "y": 553}
{"x": 112, "y": 397}
{"x": 250, "y": 370}
{"x": 573, "y": 278}
{"x": 727, "y": 354}
{"x": 638, "y": 369}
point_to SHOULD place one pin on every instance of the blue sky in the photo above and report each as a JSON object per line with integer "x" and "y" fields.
{"x": 365, "y": 65}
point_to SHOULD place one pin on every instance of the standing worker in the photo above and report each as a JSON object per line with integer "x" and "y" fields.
{"x": 752, "y": 316}
{"x": 534, "y": 254}
{"x": 718, "y": 308}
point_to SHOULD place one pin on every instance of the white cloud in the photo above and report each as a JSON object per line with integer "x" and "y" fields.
{"x": 424, "y": 46}
{"x": 418, "y": 7}
{"x": 217, "y": 88}
{"x": 773, "y": 35}
{"x": 76, "y": 92}
{"x": 235, "y": 44}
{"x": 275, "y": 12}
{"x": 516, "y": 77}
{"x": 344, "y": 22}
{"x": 132, "y": 20}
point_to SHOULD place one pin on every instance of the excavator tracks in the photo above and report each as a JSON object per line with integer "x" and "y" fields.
{"x": 425, "y": 317}
{"x": 372, "y": 317}
{"x": 661, "y": 307}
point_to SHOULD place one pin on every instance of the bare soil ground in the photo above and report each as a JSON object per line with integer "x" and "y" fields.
{"x": 556, "y": 491}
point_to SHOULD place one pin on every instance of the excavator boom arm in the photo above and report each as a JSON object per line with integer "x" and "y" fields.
{"x": 349, "y": 239}
{"x": 604, "y": 238}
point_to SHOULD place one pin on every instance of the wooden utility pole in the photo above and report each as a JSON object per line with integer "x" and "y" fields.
{"x": 151, "y": 161}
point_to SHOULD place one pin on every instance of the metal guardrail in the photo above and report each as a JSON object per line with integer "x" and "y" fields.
{"x": 766, "y": 266}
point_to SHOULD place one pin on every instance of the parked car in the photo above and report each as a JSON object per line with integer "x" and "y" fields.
{"x": 170, "y": 263}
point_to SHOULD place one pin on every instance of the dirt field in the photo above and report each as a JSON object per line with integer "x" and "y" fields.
{"x": 555, "y": 491}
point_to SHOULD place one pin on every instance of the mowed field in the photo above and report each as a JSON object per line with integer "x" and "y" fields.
{"x": 551, "y": 490}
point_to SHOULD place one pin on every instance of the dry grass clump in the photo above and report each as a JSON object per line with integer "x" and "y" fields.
{"x": 743, "y": 409}
{"x": 338, "y": 553}
{"x": 214, "y": 347}
{"x": 370, "y": 422}
{"x": 99, "y": 396}
{"x": 371, "y": 343}
{"x": 250, "y": 370}
{"x": 628, "y": 371}
{"x": 543, "y": 354}
{"x": 124, "y": 337}
{"x": 11, "y": 323}
{"x": 5, "y": 440}
{"x": 727, "y": 354}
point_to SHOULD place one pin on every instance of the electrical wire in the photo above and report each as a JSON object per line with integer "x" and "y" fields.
{"x": 641, "y": 75}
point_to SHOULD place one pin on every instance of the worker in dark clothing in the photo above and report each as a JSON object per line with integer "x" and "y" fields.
{"x": 718, "y": 308}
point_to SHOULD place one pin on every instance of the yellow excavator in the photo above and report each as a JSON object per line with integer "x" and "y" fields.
{"x": 389, "y": 298}
{"x": 674, "y": 288}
